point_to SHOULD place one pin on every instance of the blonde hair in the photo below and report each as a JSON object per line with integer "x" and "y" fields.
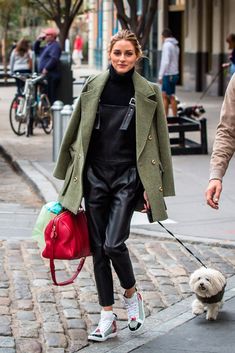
{"x": 126, "y": 34}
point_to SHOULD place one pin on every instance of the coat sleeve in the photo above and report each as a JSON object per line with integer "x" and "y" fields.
{"x": 164, "y": 146}
{"x": 70, "y": 135}
{"x": 224, "y": 145}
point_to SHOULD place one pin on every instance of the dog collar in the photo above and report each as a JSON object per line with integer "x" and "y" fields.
{"x": 214, "y": 299}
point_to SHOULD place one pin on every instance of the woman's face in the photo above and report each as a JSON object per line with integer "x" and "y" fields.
{"x": 123, "y": 56}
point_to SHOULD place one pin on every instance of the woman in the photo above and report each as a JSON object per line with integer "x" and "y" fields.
{"x": 21, "y": 62}
{"x": 118, "y": 160}
{"x": 77, "y": 55}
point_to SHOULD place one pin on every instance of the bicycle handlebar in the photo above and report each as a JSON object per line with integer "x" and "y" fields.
{"x": 34, "y": 77}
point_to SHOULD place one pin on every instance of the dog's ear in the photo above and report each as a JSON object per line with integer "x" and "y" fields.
{"x": 193, "y": 278}
{"x": 218, "y": 279}
{"x": 221, "y": 279}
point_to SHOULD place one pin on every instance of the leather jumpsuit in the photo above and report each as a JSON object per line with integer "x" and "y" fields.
{"x": 111, "y": 189}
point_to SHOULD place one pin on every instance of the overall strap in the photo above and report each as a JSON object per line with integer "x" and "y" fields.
{"x": 129, "y": 114}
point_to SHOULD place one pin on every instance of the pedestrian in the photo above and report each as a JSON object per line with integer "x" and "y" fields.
{"x": 169, "y": 70}
{"x": 224, "y": 146}
{"x": 48, "y": 60}
{"x": 21, "y": 62}
{"x": 119, "y": 160}
{"x": 77, "y": 55}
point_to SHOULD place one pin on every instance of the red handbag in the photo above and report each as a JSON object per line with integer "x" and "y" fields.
{"x": 67, "y": 238}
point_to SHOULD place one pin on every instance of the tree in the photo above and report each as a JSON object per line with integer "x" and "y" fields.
{"x": 9, "y": 13}
{"x": 62, "y": 12}
{"x": 139, "y": 24}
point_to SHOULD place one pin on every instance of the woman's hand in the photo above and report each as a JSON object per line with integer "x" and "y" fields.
{"x": 213, "y": 192}
{"x": 146, "y": 204}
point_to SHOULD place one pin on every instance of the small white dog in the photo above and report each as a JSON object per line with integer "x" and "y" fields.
{"x": 208, "y": 285}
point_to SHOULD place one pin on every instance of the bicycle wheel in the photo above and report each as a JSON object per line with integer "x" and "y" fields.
{"x": 18, "y": 124}
{"x": 45, "y": 113}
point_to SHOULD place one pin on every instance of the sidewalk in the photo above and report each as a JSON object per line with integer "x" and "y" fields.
{"x": 38, "y": 317}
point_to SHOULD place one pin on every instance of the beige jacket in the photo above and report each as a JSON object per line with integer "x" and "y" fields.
{"x": 224, "y": 145}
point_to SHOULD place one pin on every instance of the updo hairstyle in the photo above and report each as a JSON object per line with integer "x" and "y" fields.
{"x": 126, "y": 34}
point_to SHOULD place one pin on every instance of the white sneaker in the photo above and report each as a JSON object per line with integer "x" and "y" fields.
{"x": 135, "y": 312}
{"x": 107, "y": 327}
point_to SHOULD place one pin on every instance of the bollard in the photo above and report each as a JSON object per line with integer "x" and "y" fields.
{"x": 66, "y": 113}
{"x": 57, "y": 129}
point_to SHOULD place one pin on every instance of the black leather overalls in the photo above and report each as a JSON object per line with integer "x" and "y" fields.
{"x": 111, "y": 190}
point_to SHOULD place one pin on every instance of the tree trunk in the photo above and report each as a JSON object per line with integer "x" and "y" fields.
{"x": 4, "y": 55}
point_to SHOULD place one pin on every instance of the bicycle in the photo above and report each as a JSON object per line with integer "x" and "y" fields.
{"x": 30, "y": 109}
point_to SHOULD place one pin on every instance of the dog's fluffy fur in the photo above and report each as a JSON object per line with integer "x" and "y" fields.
{"x": 207, "y": 283}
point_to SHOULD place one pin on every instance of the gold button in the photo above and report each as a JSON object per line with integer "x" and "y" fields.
{"x": 75, "y": 179}
{"x": 160, "y": 188}
{"x": 150, "y": 137}
{"x": 153, "y": 161}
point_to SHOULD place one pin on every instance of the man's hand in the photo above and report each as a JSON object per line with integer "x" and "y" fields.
{"x": 225, "y": 65}
{"x": 44, "y": 71}
{"x": 41, "y": 36}
{"x": 213, "y": 192}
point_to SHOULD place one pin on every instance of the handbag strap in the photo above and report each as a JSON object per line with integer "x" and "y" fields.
{"x": 70, "y": 280}
{"x": 52, "y": 264}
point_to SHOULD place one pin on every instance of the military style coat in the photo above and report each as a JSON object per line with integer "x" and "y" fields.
{"x": 152, "y": 144}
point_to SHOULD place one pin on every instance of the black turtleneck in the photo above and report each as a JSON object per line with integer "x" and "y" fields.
{"x": 119, "y": 89}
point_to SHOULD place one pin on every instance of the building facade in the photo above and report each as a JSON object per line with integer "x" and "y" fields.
{"x": 201, "y": 27}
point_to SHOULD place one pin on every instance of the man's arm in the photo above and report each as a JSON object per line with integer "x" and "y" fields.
{"x": 37, "y": 47}
{"x": 224, "y": 146}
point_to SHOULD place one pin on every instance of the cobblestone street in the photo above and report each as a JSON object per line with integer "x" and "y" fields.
{"x": 39, "y": 317}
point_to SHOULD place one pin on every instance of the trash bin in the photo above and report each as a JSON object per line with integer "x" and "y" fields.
{"x": 65, "y": 87}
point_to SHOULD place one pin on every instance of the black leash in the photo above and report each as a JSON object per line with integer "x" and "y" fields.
{"x": 168, "y": 231}
{"x": 211, "y": 83}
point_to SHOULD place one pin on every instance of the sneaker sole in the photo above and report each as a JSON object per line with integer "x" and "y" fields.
{"x": 138, "y": 329}
{"x": 102, "y": 339}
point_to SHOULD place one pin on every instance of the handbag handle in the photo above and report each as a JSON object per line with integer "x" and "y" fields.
{"x": 52, "y": 266}
{"x": 70, "y": 280}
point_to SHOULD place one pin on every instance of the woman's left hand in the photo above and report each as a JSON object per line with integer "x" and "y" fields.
{"x": 146, "y": 204}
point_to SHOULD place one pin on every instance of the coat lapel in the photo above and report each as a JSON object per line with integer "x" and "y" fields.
{"x": 89, "y": 105}
{"x": 145, "y": 110}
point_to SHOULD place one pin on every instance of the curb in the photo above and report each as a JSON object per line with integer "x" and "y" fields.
{"x": 186, "y": 238}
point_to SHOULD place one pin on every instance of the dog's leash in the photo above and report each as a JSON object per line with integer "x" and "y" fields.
{"x": 168, "y": 231}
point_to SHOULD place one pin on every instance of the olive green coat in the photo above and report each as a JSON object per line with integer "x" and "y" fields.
{"x": 152, "y": 144}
